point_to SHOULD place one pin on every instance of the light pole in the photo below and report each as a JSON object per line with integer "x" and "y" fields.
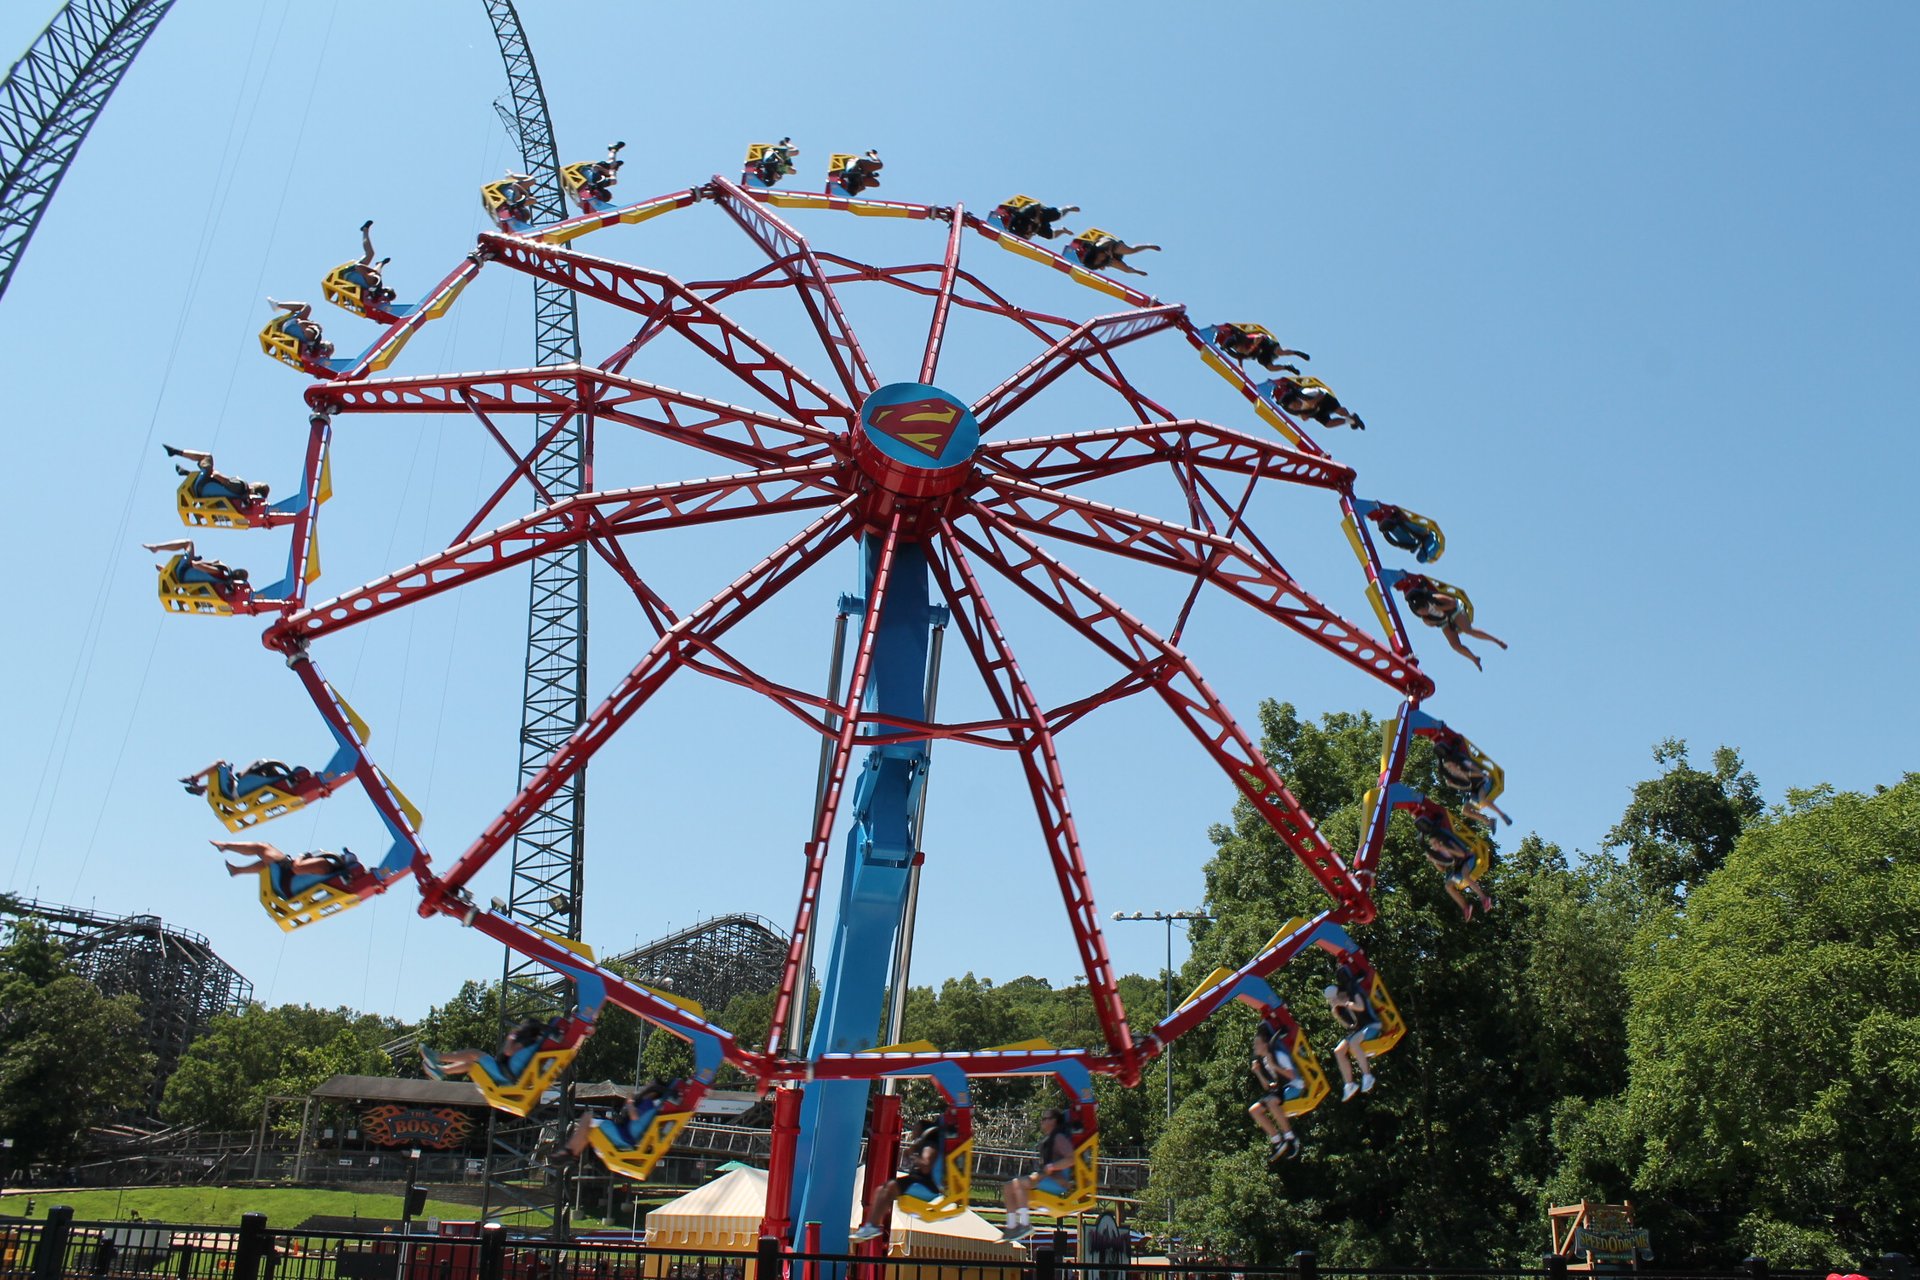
{"x": 1168, "y": 918}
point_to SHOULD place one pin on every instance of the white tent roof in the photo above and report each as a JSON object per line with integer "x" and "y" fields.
{"x": 726, "y": 1214}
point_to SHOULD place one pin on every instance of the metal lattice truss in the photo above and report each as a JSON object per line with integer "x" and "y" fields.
{"x": 710, "y": 962}
{"x": 180, "y": 983}
{"x": 50, "y": 99}
{"x": 1016, "y": 507}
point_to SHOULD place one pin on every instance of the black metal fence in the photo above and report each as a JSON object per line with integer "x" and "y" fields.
{"x": 61, "y": 1249}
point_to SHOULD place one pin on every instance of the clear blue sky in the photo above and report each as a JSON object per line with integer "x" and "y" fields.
{"x": 1626, "y": 294}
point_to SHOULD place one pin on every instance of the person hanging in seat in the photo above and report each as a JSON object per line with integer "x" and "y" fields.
{"x": 244, "y": 782}
{"x": 1035, "y": 219}
{"x": 919, "y": 1177}
{"x": 1312, "y": 400}
{"x": 1110, "y": 253}
{"x": 224, "y": 579}
{"x": 1280, "y": 1082}
{"x": 1463, "y": 773}
{"x": 1404, "y": 532}
{"x": 516, "y": 1053}
{"x": 627, "y": 1126}
{"x": 863, "y": 173}
{"x": 1347, "y": 999}
{"x": 1452, "y": 856}
{"x": 209, "y": 483}
{"x": 597, "y": 179}
{"x": 366, "y": 273}
{"x": 298, "y": 323}
{"x": 517, "y": 197}
{"x": 1053, "y": 1176}
{"x": 776, "y": 162}
{"x": 1435, "y": 607}
{"x": 1245, "y": 343}
{"x": 341, "y": 867}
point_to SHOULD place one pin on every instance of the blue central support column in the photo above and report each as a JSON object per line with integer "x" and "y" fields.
{"x": 913, "y": 442}
{"x": 879, "y": 853}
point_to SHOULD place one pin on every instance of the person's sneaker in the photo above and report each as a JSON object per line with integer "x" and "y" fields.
{"x": 431, "y": 1067}
{"x": 1276, "y": 1151}
{"x": 1350, "y": 1092}
{"x": 1366, "y": 1083}
{"x": 1016, "y": 1231}
{"x": 1290, "y": 1147}
{"x": 867, "y": 1232}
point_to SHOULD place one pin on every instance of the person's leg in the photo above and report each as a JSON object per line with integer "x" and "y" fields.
{"x": 1358, "y": 1042}
{"x": 1459, "y": 899}
{"x": 1259, "y": 1112}
{"x": 1478, "y": 634}
{"x": 366, "y": 243}
{"x": 1453, "y": 639}
{"x": 582, "y": 1132}
{"x": 1341, "y": 1061}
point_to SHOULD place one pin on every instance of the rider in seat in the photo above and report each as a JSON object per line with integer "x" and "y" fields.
{"x": 627, "y": 1126}
{"x": 298, "y": 323}
{"x": 1110, "y": 253}
{"x": 1435, "y": 607}
{"x": 1245, "y": 343}
{"x": 517, "y": 198}
{"x": 239, "y": 784}
{"x": 776, "y": 162}
{"x": 1399, "y": 527}
{"x": 516, "y": 1053}
{"x": 208, "y": 483}
{"x": 919, "y": 1177}
{"x": 366, "y": 273}
{"x": 1462, "y": 770}
{"x": 1313, "y": 401}
{"x": 1054, "y": 1174}
{"x": 191, "y": 568}
{"x": 863, "y": 173}
{"x": 1347, "y": 998}
{"x": 1280, "y": 1082}
{"x": 1035, "y": 219}
{"x": 339, "y": 867}
{"x": 1452, "y": 856}
{"x": 597, "y": 179}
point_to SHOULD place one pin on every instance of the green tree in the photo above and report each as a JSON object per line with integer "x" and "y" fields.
{"x": 69, "y": 1056}
{"x": 1774, "y": 1040}
{"x": 1446, "y": 1161}
{"x": 229, "y": 1072}
{"x": 1682, "y": 825}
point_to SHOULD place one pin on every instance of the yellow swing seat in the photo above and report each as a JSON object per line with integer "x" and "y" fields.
{"x": 262, "y": 804}
{"x": 521, "y": 1095}
{"x": 212, "y": 511}
{"x": 956, "y": 1187}
{"x": 281, "y": 345}
{"x": 343, "y": 291}
{"x": 178, "y": 595}
{"x": 637, "y": 1161}
{"x": 1079, "y": 1196}
{"x": 318, "y": 901}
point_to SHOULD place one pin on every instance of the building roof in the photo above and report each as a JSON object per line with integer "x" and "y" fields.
{"x": 430, "y": 1093}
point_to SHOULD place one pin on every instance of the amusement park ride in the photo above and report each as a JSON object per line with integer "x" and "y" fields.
{"x": 924, "y": 484}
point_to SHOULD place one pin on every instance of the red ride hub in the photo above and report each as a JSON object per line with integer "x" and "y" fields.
{"x": 915, "y": 441}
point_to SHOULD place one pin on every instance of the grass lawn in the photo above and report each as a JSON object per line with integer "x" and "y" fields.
{"x": 222, "y": 1206}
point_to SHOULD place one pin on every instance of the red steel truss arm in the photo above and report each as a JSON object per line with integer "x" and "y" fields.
{"x": 1065, "y": 461}
{"x": 788, "y": 247}
{"x": 1276, "y": 954}
{"x": 792, "y": 976}
{"x": 1238, "y": 571}
{"x": 1392, "y": 759}
{"x": 1138, "y": 648}
{"x": 668, "y": 654}
{"x": 1244, "y": 383}
{"x": 379, "y": 790}
{"x": 1096, "y": 337}
{"x": 660, "y": 614}
{"x": 569, "y": 521}
{"x": 652, "y": 294}
{"x": 1013, "y": 698}
{"x": 943, "y": 300}
{"x": 740, "y": 434}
